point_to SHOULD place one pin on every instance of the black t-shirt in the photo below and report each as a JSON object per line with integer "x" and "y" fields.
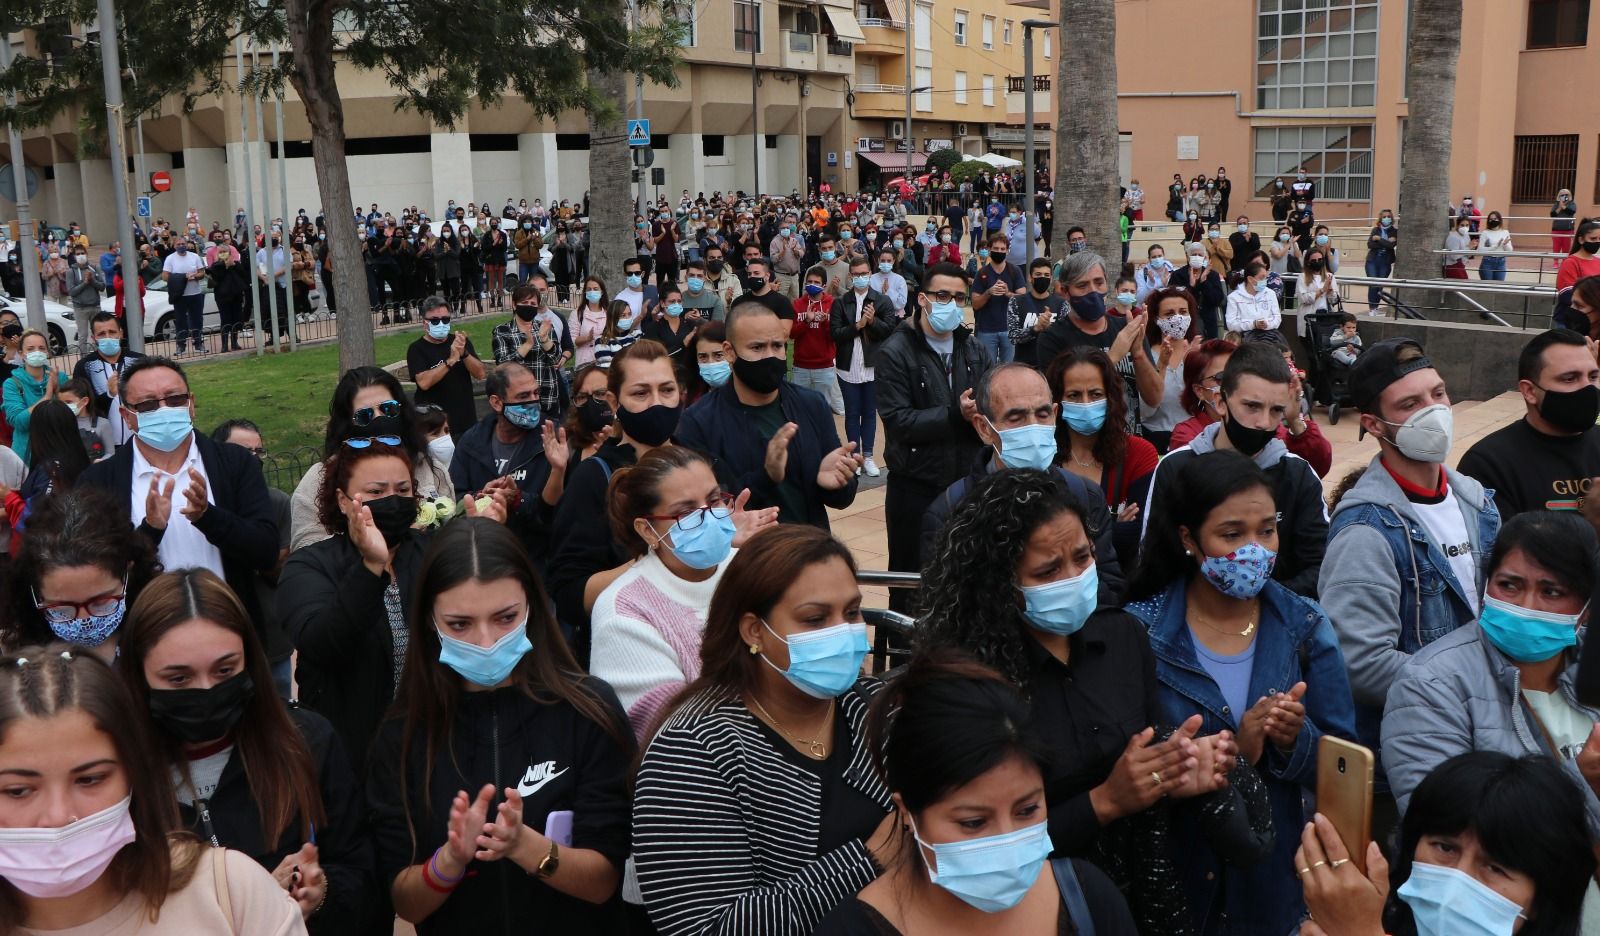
{"x": 1528, "y": 470}
{"x": 453, "y": 393}
{"x": 847, "y": 813}
{"x": 768, "y": 420}
{"x": 992, "y": 317}
{"x": 780, "y": 305}
{"x": 1029, "y": 308}
{"x": 1063, "y": 333}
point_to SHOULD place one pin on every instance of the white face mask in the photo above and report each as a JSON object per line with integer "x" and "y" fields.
{"x": 1425, "y": 436}
{"x": 1197, "y": 261}
{"x": 442, "y": 449}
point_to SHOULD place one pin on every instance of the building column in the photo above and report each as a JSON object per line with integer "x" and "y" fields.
{"x": 69, "y": 188}
{"x": 100, "y": 206}
{"x": 685, "y": 168}
{"x": 204, "y": 179}
{"x": 541, "y": 175}
{"x": 451, "y": 167}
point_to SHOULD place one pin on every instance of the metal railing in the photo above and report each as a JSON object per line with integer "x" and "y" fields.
{"x": 1538, "y": 301}
{"x": 882, "y": 23}
{"x": 880, "y": 89}
{"x": 892, "y": 630}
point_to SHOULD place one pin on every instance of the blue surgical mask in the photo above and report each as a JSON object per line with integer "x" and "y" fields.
{"x": 108, "y": 346}
{"x": 716, "y": 373}
{"x": 1063, "y": 607}
{"x": 704, "y": 546}
{"x": 1448, "y": 902}
{"x": 674, "y": 309}
{"x": 899, "y": 243}
{"x": 625, "y": 325}
{"x": 696, "y": 283}
{"x": 1242, "y": 573}
{"x": 1524, "y": 635}
{"x": 486, "y": 666}
{"x": 983, "y": 251}
{"x": 824, "y": 663}
{"x": 439, "y": 332}
{"x": 860, "y": 282}
{"x": 992, "y": 873}
{"x": 166, "y": 428}
{"x": 783, "y": 232}
{"x": 1032, "y": 446}
{"x": 944, "y": 317}
{"x": 1385, "y": 222}
{"x": 36, "y": 358}
{"x": 522, "y": 415}
{"x": 1127, "y": 298}
{"x": 885, "y": 266}
{"x": 634, "y": 280}
{"x": 593, "y": 295}
{"x": 1084, "y": 418}
{"x": 828, "y": 255}
{"x": 1322, "y": 240}
{"x": 91, "y": 631}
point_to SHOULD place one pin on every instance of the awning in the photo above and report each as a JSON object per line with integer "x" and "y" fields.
{"x": 896, "y": 161}
{"x": 897, "y": 10}
{"x": 844, "y": 21}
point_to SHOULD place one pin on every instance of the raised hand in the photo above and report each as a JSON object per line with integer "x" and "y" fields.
{"x": 777, "y": 460}
{"x": 747, "y": 523}
{"x": 556, "y": 450}
{"x": 1217, "y": 755}
{"x": 1253, "y": 729}
{"x": 194, "y": 497}
{"x": 500, "y": 837}
{"x": 467, "y": 818}
{"x": 364, "y": 536}
{"x": 1286, "y": 717}
{"x": 838, "y": 467}
{"x": 308, "y": 883}
{"x": 1132, "y": 786}
{"x": 158, "y": 502}
{"x": 969, "y": 406}
{"x": 494, "y": 507}
{"x": 1343, "y": 901}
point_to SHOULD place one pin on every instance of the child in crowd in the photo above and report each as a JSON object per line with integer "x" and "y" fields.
{"x": 94, "y": 430}
{"x": 1124, "y": 299}
{"x": 1346, "y": 342}
{"x": 435, "y": 426}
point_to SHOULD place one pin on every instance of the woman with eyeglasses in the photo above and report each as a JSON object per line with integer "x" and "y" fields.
{"x": 367, "y": 402}
{"x": 77, "y": 573}
{"x": 755, "y": 808}
{"x": 249, "y": 773}
{"x": 677, "y": 524}
{"x": 590, "y": 419}
{"x": 498, "y": 786}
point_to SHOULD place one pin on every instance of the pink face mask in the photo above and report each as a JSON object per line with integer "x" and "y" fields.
{"x": 62, "y": 862}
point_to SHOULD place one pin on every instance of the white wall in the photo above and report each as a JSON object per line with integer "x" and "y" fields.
{"x": 571, "y": 178}
{"x": 204, "y": 180}
{"x": 494, "y": 176}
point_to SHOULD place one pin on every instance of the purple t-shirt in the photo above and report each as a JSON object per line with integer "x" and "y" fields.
{"x": 1232, "y": 676}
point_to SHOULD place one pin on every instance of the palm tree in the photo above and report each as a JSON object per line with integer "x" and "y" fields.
{"x": 611, "y": 206}
{"x": 1086, "y": 128}
{"x": 1432, "y": 50}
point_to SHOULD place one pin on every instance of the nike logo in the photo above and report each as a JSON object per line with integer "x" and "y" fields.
{"x": 537, "y": 777}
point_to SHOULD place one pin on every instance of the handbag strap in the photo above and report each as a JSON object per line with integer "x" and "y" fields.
{"x": 219, "y": 877}
{"x": 1072, "y": 896}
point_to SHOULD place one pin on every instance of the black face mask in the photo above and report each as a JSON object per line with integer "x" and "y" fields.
{"x": 393, "y": 516}
{"x": 1041, "y": 284}
{"x": 654, "y": 426}
{"x": 1315, "y": 266}
{"x": 1091, "y": 307}
{"x": 1246, "y": 439}
{"x": 527, "y": 313}
{"x": 381, "y": 425}
{"x": 200, "y": 715}
{"x": 757, "y": 283}
{"x": 762, "y": 376}
{"x": 1589, "y": 246}
{"x": 714, "y": 267}
{"x": 1571, "y": 410}
{"x": 595, "y": 415}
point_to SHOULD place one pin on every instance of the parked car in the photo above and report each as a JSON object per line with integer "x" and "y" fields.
{"x": 59, "y": 325}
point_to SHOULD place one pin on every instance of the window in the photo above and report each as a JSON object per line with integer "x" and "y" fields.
{"x": 713, "y": 144}
{"x": 1338, "y": 158}
{"x": 988, "y": 90}
{"x": 1046, "y": 43}
{"x": 1553, "y": 24}
{"x": 961, "y": 27}
{"x": 1541, "y": 166}
{"x": 988, "y": 32}
{"x": 682, "y": 11}
{"x": 747, "y": 25}
{"x": 923, "y": 26}
{"x": 924, "y": 78}
{"x": 961, "y": 88}
{"x": 1005, "y": 31}
{"x": 1316, "y": 54}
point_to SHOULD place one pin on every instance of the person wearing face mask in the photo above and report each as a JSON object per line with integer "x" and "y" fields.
{"x": 1301, "y": 221}
{"x": 200, "y": 504}
{"x": 997, "y": 278}
{"x": 1584, "y": 260}
{"x": 641, "y": 297}
{"x": 1381, "y": 243}
{"x": 1406, "y": 543}
{"x": 29, "y": 385}
{"x": 1249, "y": 656}
{"x": 1083, "y": 278}
{"x": 1207, "y": 285}
{"x": 84, "y": 285}
{"x": 519, "y": 449}
{"x": 788, "y": 251}
{"x": 767, "y": 435}
{"x": 98, "y": 857}
{"x": 1219, "y": 252}
{"x": 770, "y": 735}
{"x": 1562, "y": 214}
{"x": 1194, "y": 230}
{"x": 589, "y": 420}
{"x": 1491, "y": 845}
{"x": 763, "y": 288}
{"x": 525, "y": 828}
{"x": 1153, "y": 274}
{"x": 957, "y": 870}
{"x": 925, "y": 374}
{"x": 1015, "y": 581}
{"x": 1029, "y": 313}
{"x": 1253, "y": 308}
{"x": 230, "y": 287}
{"x": 1243, "y": 244}
{"x": 185, "y": 272}
{"x": 814, "y": 350}
{"x": 1172, "y": 328}
{"x": 54, "y": 273}
{"x": 669, "y": 324}
{"x": 1303, "y": 189}
{"x": 250, "y": 773}
{"x": 1554, "y": 449}
{"x": 670, "y": 515}
{"x": 444, "y": 364}
{"x": 699, "y": 295}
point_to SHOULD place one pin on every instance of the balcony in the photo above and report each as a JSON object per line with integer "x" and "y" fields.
{"x": 880, "y": 100}
{"x": 1016, "y": 83}
{"x": 883, "y": 36}
{"x": 799, "y": 50}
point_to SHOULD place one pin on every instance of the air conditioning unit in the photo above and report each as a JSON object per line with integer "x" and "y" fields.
{"x": 961, "y": 129}
{"x": 897, "y": 129}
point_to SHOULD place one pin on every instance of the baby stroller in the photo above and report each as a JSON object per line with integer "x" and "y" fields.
{"x": 1329, "y": 378}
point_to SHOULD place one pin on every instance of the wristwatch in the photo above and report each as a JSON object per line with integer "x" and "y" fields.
{"x": 550, "y": 863}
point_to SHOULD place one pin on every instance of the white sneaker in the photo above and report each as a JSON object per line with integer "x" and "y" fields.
{"x": 871, "y": 467}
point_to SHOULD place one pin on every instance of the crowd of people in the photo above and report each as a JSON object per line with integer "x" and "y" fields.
{"x": 585, "y": 655}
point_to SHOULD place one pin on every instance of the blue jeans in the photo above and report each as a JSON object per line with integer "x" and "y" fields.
{"x": 860, "y": 414}
{"x": 191, "y": 319}
{"x": 820, "y": 379}
{"x": 1378, "y": 267}
{"x": 1001, "y": 350}
{"x": 1492, "y": 268}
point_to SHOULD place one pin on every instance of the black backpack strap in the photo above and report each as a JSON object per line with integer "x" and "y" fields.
{"x": 1072, "y": 896}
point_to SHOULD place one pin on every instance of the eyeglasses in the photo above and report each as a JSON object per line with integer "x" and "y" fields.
{"x": 258, "y": 451}
{"x": 364, "y": 416}
{"x": 171, "y": 401}
{"x": 438, "y": 320}
{"x": 719, "y": 505}
{"x": 361, "y": 442}
{"x": 580, "y": 399}
{"x": 60, "y": 612}
{"x": 945, "y": 295}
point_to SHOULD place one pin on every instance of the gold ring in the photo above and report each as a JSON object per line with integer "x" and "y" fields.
{"x": 1317, "y": 865}
{"x": 1341, "y": 861}
{"x": 1156, "y": 776}
{"x": 1302, "y": 871}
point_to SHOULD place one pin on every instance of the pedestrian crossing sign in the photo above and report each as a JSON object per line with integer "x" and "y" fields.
{"x": 639, "y": 132}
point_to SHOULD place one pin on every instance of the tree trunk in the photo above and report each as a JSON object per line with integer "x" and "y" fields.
{"x": 611, "y": 206}
{"x": 311, "y": 39}
{"x": 1432, "y": 52}
{"x": 1086, "y": 130}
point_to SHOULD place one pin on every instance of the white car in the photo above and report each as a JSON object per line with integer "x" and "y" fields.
{"x": 160, "y": 321}
{"x": 58, "y": 318}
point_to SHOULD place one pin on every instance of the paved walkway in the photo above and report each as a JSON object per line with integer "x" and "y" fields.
{"x": 861, "y": 525}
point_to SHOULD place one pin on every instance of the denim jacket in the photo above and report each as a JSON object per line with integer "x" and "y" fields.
{"x": 1295, "y": 643}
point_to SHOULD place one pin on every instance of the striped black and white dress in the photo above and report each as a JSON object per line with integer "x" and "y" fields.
{"x": 726, "y": 827}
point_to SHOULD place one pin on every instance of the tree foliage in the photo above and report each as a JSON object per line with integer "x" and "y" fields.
{"x": 943, "y": 160}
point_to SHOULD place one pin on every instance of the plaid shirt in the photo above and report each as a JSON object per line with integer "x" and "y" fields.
{"x": 546, "y": 365}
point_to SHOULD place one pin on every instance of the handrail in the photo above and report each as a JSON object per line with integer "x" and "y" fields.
{"x": 882, "y": 23}
{"x": 889, "y": 579}
{"x": 1483, "y": 310}
{"x": 1504, "y": 287}
{"x": 880, "y": 89}
{"x": 1480, "y": 252}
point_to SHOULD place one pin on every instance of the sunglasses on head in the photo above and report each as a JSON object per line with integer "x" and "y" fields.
{"x": 362, "y": 442}
{"x": 366, "y": 414}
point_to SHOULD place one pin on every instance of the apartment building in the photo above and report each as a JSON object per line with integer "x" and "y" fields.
{"x": 773, "y": 95}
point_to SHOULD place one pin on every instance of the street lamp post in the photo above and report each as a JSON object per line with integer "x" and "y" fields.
{"x": 111, "y": 71}
{"x": 31, "y": 289}
{"x": 1028, "y": 26}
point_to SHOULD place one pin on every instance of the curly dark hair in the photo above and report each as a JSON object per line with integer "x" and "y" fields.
{"x": 970, "y": 596}
{"x": 340, "y": 467}
{"x": 1111, "y": 445}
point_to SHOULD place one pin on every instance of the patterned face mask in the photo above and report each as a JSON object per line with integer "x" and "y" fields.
{"x": 1242, "y": 573}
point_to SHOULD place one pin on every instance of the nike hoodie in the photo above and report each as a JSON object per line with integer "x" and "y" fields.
{"x": 557, "y": 759}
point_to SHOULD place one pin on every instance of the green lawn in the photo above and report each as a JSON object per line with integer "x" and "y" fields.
{"x": 287, "y": 394}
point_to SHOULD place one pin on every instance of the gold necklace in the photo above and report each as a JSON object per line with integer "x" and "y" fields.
{"x": 1249, "y": 629}
{"x": 818, "y": 748}
{"x": 1091, "y": 463}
